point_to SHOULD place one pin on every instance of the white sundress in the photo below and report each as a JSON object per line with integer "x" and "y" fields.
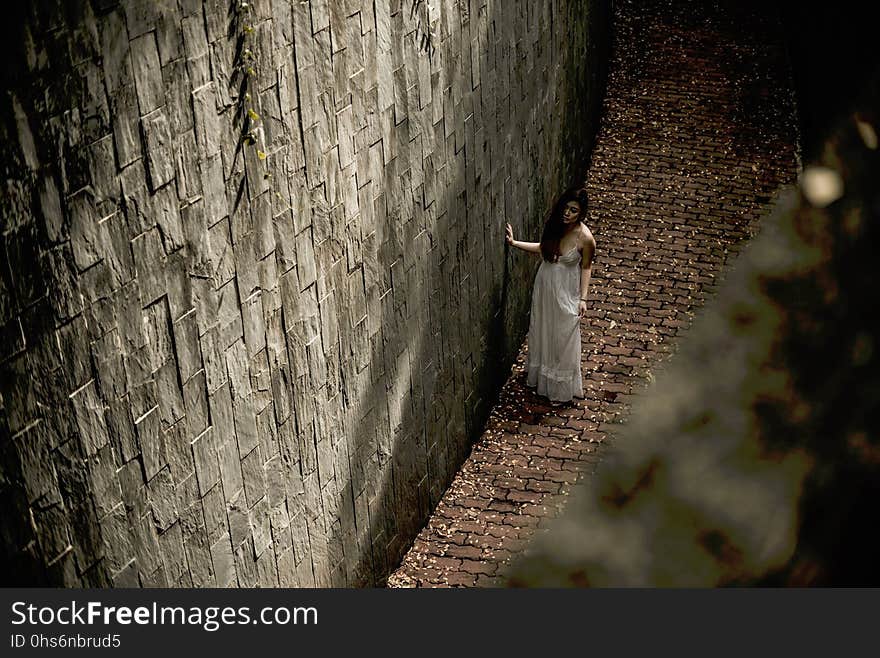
{"x": 554, "y": 356}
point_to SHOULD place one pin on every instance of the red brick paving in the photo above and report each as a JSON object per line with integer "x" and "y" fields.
{"x": 697, "y": 136}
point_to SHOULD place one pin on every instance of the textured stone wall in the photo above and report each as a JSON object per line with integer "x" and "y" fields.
{"x": 254, "y": 301}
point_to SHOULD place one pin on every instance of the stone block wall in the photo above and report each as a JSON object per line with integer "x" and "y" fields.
{"x": 254, "y": 298}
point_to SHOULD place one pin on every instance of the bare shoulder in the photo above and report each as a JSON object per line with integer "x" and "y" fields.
{"x": 587, "y": 245}
{"x": 586, "y": 238}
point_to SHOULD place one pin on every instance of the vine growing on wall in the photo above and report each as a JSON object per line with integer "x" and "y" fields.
{"x": 245, "y": 67}
{"x": 420, "y": 12}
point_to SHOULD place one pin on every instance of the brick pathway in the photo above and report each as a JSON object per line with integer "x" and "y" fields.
{"x": 697, "y": 136}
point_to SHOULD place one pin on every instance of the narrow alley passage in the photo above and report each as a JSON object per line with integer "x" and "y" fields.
{"x": 698, "y": 134}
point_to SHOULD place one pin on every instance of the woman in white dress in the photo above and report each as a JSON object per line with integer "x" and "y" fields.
{"x": 559, "y": 298}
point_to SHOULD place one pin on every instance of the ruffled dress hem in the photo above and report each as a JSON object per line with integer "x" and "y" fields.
{"x": 556, "y": 385}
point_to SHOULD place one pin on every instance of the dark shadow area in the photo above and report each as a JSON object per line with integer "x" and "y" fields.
{"x": 833, "y": 53}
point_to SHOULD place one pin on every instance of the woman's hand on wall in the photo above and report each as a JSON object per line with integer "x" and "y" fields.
{"x": 508, "y": 234}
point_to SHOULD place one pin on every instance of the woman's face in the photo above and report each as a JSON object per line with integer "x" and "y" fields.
{"x": 571, "y": 212}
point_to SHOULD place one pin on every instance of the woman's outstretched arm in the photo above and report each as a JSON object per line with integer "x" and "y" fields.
{"x": 532, "y": 247}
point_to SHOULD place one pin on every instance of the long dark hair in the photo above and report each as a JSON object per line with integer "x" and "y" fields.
{"x": 555, "y": 228}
